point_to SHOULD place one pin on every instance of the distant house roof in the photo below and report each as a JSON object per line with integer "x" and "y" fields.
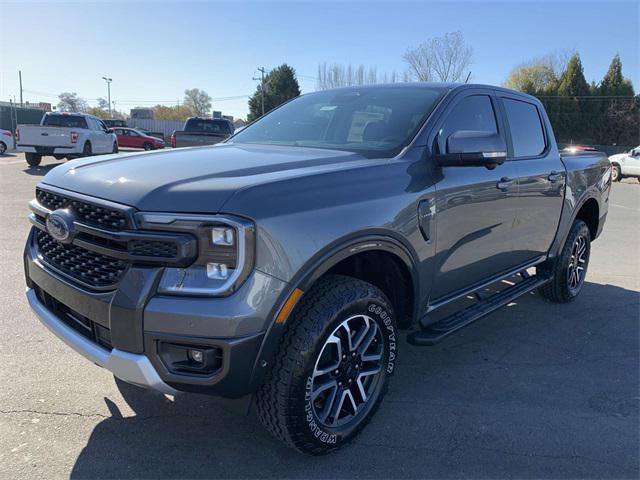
{"x": 239, "y": 123}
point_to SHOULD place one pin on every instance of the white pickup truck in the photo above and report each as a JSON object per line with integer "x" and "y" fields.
{"x": 625, "y": 164}
{"x": 65, "y": 135}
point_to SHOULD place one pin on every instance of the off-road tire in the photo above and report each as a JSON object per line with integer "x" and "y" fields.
{"x": 616, "y": 173}
{"x": 283, "y": 401}
{"x": 33, "y": 159}
{"x": 558, "y": 289}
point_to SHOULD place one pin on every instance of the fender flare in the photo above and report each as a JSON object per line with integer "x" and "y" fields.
{"x": 317, "y": 266}
{"x": 561, "y": 237}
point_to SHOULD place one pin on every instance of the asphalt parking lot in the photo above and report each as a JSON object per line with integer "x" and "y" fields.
{"x": 535, "y": 390}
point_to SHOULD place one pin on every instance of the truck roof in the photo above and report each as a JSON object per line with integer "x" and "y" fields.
{"x": 444, "y": 86}
{"x": 71, "y": 113}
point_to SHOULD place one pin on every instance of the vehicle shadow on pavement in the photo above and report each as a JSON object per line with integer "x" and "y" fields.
{"x": 534, "y": 390}
{"x": 41, "y": 170}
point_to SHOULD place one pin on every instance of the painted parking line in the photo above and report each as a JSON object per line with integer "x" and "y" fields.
{"x": 622, "y": 206}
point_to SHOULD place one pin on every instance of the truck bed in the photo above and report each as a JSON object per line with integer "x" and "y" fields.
{"x": 38, "y": 136}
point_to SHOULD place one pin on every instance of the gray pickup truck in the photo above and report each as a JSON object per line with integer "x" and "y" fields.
{"x": 284, "y": 264}
{"x": 198, "y": 132}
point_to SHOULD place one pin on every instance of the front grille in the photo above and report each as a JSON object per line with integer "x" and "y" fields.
{"x": 153, "y": 248}
{"x": 105, "y": 242}
{"x": 81, "y": 324}
{"x": 88, "y": 267}
{"x": 89, "y": 213}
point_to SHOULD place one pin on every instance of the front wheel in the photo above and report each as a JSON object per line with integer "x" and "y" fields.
{"x": 616, "y": 174}
{"x": 570, "y": 267}
{"x": 333, "y": 366}
{"x": 33, "y": 159}
{"x": 147, "y": 146}
{"x": 115, "y": 148}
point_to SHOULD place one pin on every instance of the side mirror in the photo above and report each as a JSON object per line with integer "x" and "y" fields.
{"x": 470, "y": 148}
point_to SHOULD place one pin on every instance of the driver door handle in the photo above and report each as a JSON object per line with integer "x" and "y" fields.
{"x": 504, "y": 183}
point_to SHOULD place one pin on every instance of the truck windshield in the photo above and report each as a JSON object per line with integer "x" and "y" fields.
{"x": 207, "y": 126}
{"x": 72, "y": 121}
{"x": 376, "y": 122}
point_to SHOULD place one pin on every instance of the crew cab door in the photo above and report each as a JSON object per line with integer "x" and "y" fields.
{"x": 93, "y": 134}
{"x": 474, "y": 209}
{"x": 541, "y": 175}
{"x": 104, "y": 137}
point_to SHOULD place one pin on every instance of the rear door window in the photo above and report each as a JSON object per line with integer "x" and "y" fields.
{"x": 527, "y": 134}
{"x": 472, "y": 113}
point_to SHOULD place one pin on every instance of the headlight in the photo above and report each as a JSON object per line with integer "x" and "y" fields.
{"x": 226, "y": 247}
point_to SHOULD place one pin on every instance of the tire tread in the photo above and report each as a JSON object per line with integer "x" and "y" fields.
{"x": 274, "y": 400}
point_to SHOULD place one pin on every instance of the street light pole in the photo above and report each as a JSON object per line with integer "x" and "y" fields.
{"x": 108, "y": 80}
{"x": 261, "y": 70}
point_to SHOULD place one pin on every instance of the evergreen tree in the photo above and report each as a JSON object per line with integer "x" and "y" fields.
{"x": 573, "y": 113}
{"x": 280, "y": 85}
{"x": 572, "y": 81}
{"x": 613, "y": 83}
{"x": 618, "y": 110}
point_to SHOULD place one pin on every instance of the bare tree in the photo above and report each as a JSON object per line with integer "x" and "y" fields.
{"x": 198, "y": 101}
{"x": 70, "y": 102}
{"x": 337, "y": 75}
{"x": 444, "y": 59}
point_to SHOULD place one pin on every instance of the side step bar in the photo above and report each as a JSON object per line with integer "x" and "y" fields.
{"x": 436, "y": 332}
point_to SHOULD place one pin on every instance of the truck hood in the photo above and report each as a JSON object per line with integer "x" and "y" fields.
{"x": 193, "y": 180}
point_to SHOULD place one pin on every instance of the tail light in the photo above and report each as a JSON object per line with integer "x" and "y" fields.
{"x": 17, "y": 134}
{"x": 173, "y": 140}
{"x": 74, "y": 137}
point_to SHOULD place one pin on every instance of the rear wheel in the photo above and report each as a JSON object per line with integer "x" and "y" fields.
{"x": 87, "y": 151}
{"x": 616, "y": 174}
{"x": 570, "y": 268}
{"x": 333, "y": 366}
{"x": 33, "y": 159}
{"x": 3, "y": 148}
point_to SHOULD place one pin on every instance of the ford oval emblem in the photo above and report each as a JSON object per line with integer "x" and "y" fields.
{"x": 60, "y": 225}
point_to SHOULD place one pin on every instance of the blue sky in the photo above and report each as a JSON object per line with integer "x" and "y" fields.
{"x": 154, "y": 50}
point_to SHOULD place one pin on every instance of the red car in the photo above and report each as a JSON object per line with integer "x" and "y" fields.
{"x": 132, "y": 138}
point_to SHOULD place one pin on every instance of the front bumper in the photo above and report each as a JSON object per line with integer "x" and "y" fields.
{"x": 130, "y": 367}
{"x": 140, "y": 323}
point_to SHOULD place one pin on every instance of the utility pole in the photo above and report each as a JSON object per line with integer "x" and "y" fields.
{"x": 108, "y": 80}
{"x": 20, "y": 76}
{"x": 261, "y": 70}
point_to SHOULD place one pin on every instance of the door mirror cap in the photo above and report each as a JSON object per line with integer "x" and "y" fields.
{"x": 469, "y": 148}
